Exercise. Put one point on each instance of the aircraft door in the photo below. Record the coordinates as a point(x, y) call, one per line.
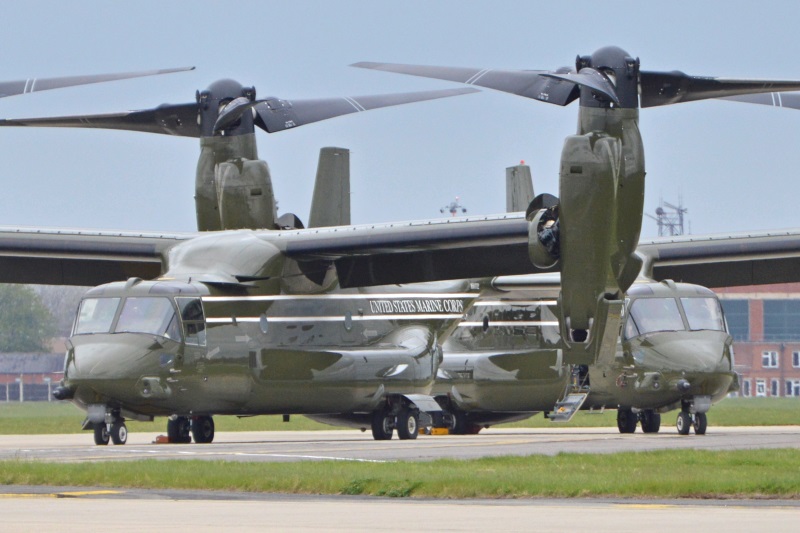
point(191, 360)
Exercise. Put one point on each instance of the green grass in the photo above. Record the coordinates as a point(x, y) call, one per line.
point(62, 417)
point(661, 474)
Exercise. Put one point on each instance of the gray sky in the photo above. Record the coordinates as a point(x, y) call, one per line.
point(735, 165)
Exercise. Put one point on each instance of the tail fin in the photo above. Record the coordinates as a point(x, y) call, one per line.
point(331, 203)
point(519, 188)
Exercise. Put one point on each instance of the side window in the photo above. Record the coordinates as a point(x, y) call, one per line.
point(194, 321)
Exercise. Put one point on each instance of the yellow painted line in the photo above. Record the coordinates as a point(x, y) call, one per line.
point(646, 505)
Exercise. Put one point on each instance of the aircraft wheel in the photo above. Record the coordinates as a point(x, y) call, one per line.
point(203, 429)
point(651, 421)
point(700, 424)
point(460, 423)
point(626, 421)
point(119, 432)
point(382, 426)
point(683, 423)
point(407, 424)
point(101, 436)
point(178, 430)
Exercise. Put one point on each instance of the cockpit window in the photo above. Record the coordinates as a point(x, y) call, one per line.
point(655, 314)
point(149, 315)
point(96, 315)
point(703, 313)
point(194, 324)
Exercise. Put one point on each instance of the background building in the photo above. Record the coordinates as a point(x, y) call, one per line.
point(765, 324)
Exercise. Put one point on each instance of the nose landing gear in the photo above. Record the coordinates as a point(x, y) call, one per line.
point(686, 421)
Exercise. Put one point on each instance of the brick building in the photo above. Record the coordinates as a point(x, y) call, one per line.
point(765, 324)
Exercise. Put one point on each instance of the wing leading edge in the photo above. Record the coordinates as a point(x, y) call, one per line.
point(725, 260)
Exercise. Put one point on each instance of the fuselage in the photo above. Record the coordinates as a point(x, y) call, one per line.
point(153, 348)
point(506, 357)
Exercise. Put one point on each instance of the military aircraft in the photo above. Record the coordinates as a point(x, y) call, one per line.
point(453, 208)
point(288, 323)
point(590, 234)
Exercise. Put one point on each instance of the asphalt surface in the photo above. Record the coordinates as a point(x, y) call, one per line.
point(350, 445)
point(80, 509)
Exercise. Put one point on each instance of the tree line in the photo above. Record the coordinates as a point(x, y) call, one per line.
point(32, 315)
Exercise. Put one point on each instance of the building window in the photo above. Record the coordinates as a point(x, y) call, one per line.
point(761, 388)
point(793, 387)
point(781, 319)
point(775, 388)
point(737, 315)
point(796, 359)
point(746, 388)
point(769, 359)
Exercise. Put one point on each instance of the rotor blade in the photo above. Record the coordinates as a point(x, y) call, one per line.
point(663, 88)
point(789, 100)
point(168, 119)
point(11, 88)
point(589, 77)
point(528, 83)
point(275, 115)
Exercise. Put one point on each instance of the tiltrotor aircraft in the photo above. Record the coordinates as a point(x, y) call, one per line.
point(285, 320)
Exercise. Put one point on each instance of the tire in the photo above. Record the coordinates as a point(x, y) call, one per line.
point(684, 423)
point(119, 433)
point(700, 424)
point(460, 423)
point(203, 429)
point(651, 421)
point(178, 430)
point(626, 421)
point(407, 424)
point(101, 436)
point(381, 426)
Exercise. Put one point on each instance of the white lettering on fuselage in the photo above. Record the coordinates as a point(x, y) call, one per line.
point(405, 307)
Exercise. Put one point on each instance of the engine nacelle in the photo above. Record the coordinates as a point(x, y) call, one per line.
point(544, 247)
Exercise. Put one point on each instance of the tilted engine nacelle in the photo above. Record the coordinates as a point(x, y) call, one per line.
point(543, 231)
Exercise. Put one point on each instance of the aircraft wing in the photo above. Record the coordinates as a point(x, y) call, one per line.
point(365, 255)
point(410, 252)
point(725, 260)
point(80, 257)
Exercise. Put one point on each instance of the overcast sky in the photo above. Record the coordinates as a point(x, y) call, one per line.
point(736, 166)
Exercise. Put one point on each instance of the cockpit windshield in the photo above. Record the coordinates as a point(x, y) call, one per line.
point(96, 315)
point(648, 315)
point(149, 315)
point(703, 313)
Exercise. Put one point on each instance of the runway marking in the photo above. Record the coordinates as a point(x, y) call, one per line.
point(646, 505)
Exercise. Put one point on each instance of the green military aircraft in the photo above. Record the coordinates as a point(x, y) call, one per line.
point(284, 320)
point(590, 235)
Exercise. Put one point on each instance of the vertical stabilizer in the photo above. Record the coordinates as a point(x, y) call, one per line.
point(519, 188)
point(331, 203)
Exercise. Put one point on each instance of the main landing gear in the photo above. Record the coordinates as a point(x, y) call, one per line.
point(181, 429)
point(405, 421)
point(627, 420)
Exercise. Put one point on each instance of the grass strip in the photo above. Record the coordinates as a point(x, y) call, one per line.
point(657, 474)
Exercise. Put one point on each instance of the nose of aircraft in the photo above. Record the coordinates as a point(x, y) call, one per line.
point(690, 351)
point(108, 366)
